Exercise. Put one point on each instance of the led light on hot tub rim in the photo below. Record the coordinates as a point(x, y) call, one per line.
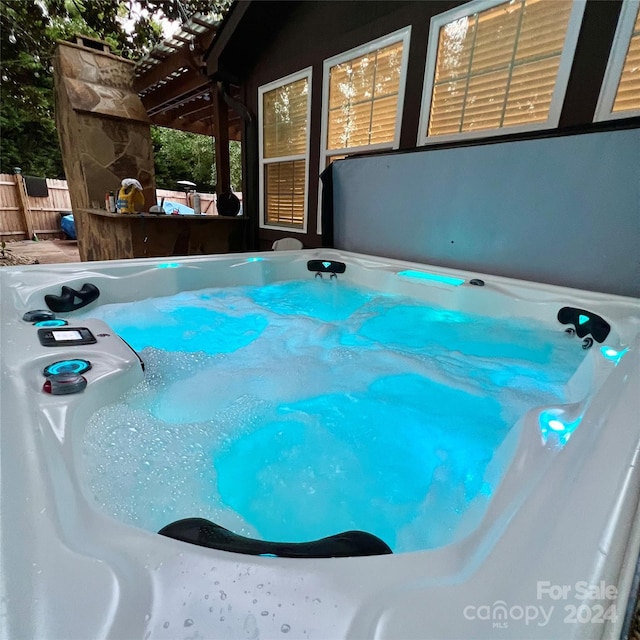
point(556, 425)
point(614, 355)
point(431, 277)
point(247, 261)
point(75, 366)
point(553, 422)
point(55, 322)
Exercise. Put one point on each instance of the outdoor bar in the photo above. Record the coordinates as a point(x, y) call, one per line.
point(114, 236)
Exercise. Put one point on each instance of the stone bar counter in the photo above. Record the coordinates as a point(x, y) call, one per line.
point(113, 236)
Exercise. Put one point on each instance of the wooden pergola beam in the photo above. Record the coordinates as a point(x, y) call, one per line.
point(203, 127)
point(196, 116)
point(202, 23)
point(175, 89)
point(182, 88)
point(183, 39)
point(193, 111)
point(164, 70)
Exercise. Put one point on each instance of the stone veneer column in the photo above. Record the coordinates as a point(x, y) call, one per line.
point(102, 125)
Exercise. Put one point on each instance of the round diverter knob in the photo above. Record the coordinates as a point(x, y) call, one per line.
point(37, 315)
point(75, 366)
point(64, 383)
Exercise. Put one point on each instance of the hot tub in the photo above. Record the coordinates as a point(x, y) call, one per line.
point(553, 556)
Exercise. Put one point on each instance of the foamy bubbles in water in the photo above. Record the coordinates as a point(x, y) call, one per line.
point(298, 410)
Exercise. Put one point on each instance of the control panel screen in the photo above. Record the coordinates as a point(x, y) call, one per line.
point(66, 335)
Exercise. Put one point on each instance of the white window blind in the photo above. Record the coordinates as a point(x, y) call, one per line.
point(498, 67)
point(284, 112)
point(628, 94)
point(362, 98)
point(285, 192)
point(363, 95)
point(620, 93)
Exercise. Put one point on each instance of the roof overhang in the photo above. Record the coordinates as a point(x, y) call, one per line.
point(243, 36)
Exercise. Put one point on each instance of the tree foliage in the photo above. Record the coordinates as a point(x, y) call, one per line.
point(180, 155)
point(29, 30)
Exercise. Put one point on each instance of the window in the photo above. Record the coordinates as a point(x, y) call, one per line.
point(620, 93)
point(284, 111)
point(362, 98)
point(499, 65)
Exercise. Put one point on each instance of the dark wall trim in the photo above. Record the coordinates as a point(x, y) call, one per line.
point(590, 61)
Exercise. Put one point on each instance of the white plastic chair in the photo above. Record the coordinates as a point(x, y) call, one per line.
point(287, 244)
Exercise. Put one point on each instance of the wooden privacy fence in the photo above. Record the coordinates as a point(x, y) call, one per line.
point(22, 216)
point(207, 200)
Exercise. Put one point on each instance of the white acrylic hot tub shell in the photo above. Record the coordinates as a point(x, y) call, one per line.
point(563, 516)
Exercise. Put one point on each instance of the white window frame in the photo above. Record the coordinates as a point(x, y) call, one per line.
point(621, 41)
point(557, 98)
point(293, 77)
point(401, 35)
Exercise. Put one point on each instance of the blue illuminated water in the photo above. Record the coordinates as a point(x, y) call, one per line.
point(297, 410)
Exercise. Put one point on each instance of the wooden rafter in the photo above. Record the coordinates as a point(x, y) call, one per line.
point(182, 59)
point(175, 93)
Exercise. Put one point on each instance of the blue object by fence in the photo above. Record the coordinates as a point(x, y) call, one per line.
point(169, 207)
point(68, 225)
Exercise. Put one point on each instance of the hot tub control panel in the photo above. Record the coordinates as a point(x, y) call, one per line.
point(65, 336)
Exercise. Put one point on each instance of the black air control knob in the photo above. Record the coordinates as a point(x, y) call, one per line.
point(38, 315)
